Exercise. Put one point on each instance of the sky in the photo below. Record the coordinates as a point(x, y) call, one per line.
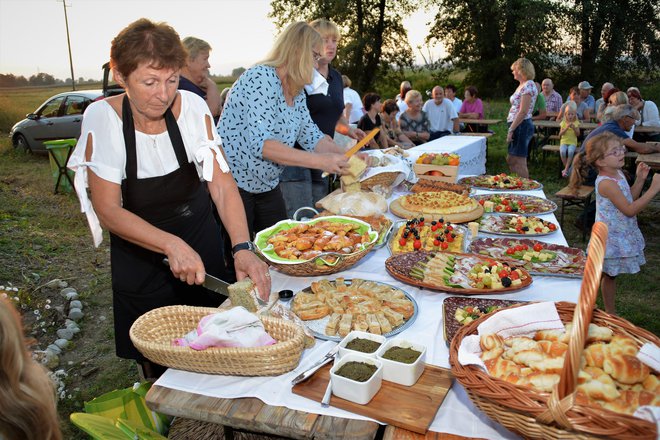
point(33, 32)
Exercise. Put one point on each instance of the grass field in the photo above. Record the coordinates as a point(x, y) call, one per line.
point(44, 237)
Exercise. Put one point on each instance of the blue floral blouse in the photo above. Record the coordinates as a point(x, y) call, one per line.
point(256, 111)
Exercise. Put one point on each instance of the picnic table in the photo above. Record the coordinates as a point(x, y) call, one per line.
point(652, 160)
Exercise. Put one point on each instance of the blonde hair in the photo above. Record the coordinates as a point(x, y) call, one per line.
point(570, 105)
point(412, 95)
point(326, 28)
point(619, 98)
point(346, 81)
point(27, 397)
point(194, 46)
point(292, 51)
point(526, 68)
point(595, 149)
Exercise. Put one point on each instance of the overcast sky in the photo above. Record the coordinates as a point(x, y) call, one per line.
point(33, 32)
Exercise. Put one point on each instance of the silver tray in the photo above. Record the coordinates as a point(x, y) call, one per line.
point(467, 235)
point(317, 326)
point(514, 195)
point(513, 234)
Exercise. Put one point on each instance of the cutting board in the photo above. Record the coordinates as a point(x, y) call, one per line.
point(412, 408)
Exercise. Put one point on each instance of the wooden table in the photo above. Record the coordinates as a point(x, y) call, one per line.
point(251, 414)
point(652, 160)
point(472, 125)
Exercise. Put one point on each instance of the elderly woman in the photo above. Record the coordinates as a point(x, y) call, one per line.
point(144, 155)
point(519, 119)
point(393, 134)
point(614, 98)
point(649, 114)
point(265, 115)
point(194, 75)
point(414, 122)
point(325, 100)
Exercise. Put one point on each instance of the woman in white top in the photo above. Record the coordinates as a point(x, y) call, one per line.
point(649, 112)
point(353, 108)
point(143, 155)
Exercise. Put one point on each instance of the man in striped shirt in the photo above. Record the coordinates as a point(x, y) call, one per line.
point(553, 100)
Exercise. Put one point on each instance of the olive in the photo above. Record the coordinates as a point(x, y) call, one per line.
point(433, 223)
point(442, 220)
point(406, 234)
point(525, 228)
point(421, 219)
point(506, 281)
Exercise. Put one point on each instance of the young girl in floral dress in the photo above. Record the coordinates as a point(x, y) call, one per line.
point(617, 205)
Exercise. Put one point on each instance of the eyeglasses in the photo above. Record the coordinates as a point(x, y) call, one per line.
point(317, 56)
point(618, 151)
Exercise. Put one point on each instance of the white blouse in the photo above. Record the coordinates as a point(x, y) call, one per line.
point(155, 153)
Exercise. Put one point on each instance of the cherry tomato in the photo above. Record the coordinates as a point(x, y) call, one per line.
point(498, 208)
point(525, 247)
point(538, 247)
point(514, 275)
point(505, 201)
point(519, 248)
point(402, 242)
point(417, 244)
point(436, 242)
point(503, 273)
point(449, 238)
point(510, 251)
point(552, 226)
point(444, 245)
point(450, 227)
point(434, 228)
point(538, 229)
point(496, 178)
point(421, 223)
point(508, 208)
point(482, 201)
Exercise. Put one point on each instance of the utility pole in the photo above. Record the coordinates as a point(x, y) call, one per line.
point(68, 42)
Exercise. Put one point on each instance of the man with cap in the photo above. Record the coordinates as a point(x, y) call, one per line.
point(585, 92)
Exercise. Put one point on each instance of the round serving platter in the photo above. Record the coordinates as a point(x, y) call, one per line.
point(463, 217)
point(317, 326)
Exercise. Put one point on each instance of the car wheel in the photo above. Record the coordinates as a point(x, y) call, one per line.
point(20, 143)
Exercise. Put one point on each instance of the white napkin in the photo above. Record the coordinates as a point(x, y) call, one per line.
point(319, 85)
point(235, 327)
point(521, 321)
point(650, 355)
point(397, 164)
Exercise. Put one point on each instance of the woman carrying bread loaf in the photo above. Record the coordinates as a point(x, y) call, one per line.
point(263, 118)
point(153, 165)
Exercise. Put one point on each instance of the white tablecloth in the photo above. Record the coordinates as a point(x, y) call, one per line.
point(457, 415)
point(472, 150)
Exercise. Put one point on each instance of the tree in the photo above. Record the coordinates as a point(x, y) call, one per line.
point(487, 36)
point(41, 79)
point(374, 41)
point(237, 72)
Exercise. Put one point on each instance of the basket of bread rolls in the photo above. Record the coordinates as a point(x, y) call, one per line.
point(582, 381)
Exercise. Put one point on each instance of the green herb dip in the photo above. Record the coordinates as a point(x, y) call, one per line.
point(363, 345)
point(357, 371)
point(403, 355)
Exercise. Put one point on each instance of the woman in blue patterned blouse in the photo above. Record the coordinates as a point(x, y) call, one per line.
point(265, 115)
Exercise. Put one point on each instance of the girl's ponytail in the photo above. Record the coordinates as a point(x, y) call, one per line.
point(579, 172)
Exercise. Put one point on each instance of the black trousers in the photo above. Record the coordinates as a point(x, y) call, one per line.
point(263, 209)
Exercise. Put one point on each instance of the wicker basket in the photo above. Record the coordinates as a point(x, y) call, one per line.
point(382, 179)
point(536, 414)
point(153, 332)
point(324, 264)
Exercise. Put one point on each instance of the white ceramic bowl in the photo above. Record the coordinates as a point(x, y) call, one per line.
point(399, 372)
point(343, 351)
point(358, 392)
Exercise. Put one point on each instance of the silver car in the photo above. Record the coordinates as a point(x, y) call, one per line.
point(60, 117)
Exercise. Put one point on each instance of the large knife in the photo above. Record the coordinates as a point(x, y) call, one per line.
point(311, 370)
point(355, 148)
point(212, 283)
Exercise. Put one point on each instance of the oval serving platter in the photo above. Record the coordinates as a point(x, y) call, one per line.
point(533, 205)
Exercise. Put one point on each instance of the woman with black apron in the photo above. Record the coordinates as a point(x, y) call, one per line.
point(144, 154)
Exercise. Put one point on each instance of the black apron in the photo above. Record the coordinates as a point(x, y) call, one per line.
point(177, 203)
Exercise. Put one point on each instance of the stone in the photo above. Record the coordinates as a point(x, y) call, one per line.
point(53, 283)
point(72, 296)
point(65, 333)
point(62, 343)
point(66, 290)
point(75, 304)
point(76, 314)
point(63, 284)
point(60, 309)
point(54, 348)
point(102, 318)
point(69, 322)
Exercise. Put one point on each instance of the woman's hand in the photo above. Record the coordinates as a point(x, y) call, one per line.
point(247, 264)
point(185, 263)
point(509, 136)
point(356, 133)
point(333, 163)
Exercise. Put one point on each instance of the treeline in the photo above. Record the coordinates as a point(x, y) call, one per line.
point(567, 40)
point(39, 79)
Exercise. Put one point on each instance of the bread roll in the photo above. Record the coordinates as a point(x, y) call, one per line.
point(551, 335)
point(598, 333)
point(623, 345)
point(491, 341)
point(492, 354)
point(595, 354)
point(626, 369)
point(499, 367)
point(553, 348)
point(596, 389)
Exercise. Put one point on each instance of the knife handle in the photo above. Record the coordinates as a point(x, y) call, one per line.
point(307, 374)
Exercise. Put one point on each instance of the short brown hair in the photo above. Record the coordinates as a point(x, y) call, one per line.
point(145, 41)
point(390, 106)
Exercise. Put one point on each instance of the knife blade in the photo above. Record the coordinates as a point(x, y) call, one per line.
point(210, 282)
point(311, 370)
point(355, 148)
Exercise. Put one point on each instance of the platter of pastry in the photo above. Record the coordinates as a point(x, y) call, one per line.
point(333, 308)
point(465, 274)
point(436, 205)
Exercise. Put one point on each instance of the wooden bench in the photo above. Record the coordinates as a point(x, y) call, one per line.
point(580, 199)
point(486, 135)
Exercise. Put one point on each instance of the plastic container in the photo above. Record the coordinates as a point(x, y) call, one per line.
point(58, 153)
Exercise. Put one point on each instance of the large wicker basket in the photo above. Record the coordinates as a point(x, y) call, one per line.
point(536, 414)
point(324, 264)
point(153, 332)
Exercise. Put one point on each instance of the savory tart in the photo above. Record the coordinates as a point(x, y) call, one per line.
point(441, 202)
point(426, 185)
